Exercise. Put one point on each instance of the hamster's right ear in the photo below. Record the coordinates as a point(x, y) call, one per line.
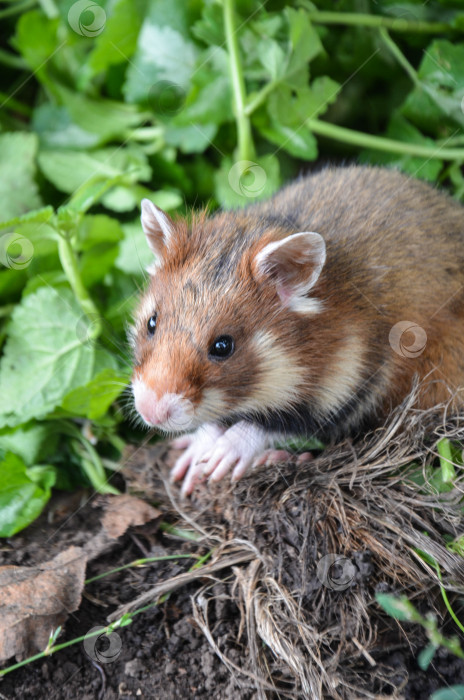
point(158, 228)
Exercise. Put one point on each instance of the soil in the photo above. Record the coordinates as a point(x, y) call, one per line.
point(163, 654)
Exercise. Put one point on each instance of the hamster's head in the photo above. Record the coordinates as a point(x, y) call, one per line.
point(215, 331)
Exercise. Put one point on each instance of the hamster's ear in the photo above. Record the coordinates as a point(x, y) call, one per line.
point(157, 226)
point(294, 264)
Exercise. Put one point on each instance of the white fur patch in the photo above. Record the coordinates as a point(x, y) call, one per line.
point(146, 310)
point(305, 305)
point(344, 373)
point(279, 377)
point(213, 404)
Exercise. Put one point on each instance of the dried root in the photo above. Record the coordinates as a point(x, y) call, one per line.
point(307, 547)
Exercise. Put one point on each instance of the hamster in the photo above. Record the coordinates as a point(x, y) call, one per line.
point(307, 314)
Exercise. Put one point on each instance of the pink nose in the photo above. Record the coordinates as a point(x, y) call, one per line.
point(152, 411)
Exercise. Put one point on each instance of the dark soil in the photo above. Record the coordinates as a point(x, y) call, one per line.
point(163, 653)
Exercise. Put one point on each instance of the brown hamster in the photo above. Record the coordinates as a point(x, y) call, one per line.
point(308, 314)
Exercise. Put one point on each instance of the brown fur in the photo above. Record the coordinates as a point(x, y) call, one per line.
point(395, 252)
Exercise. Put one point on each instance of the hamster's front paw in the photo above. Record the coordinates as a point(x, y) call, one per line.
point(190, 463)
point(237, 448)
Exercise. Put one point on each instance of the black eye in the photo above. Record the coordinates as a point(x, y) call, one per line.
point(151, 325)
point(222, 347)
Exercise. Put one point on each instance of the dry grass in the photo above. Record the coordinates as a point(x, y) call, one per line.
point(305, 637)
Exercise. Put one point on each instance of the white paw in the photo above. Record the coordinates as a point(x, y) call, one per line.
point(236, 449)
point(273, 456)
point(190, 464)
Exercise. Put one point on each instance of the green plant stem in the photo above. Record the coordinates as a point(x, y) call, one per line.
point(145, 133)
point(17, 8)
point(189, 535)
point(12, 61)
point(69, 263)
point(139, 562)
point(400, 57)
point(448, 473)
point(246, 148)
point(446, 601)
point(357, 138)
point(396, 24)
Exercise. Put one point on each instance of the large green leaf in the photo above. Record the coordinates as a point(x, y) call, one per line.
point(94, 399)
point(68, 170)
point(18, 191)
point(165, 52)
point(22, 494)
point(46, 356)
point(118, 41)
point(32, 442)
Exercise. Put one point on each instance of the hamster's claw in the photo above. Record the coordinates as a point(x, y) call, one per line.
point(237, 449)
point(189, 464)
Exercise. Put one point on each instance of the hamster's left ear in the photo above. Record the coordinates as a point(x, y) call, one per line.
point(294, 265)
point(158, 228)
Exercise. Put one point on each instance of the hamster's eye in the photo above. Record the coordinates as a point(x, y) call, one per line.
point(151, 325)
point(222, 348)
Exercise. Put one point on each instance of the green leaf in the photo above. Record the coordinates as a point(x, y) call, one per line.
point(240, 183)
point(134, 254)
point(299, 142)
point(401, 130)
point(36, 39)
point(46, 356)
point(37, 216)
point(118, 41)
point(18, 191)
point(164, 52)
point(22, 498)
point(32, 442)
point(399, 608)
point(292, 103)
point(426, 655)
point(68, 170)
point(94, 399)
point(454, 692)
point(305, 42)
point(441, 92)
point(97, 229)
point(56, 128)
point(209, 100)
point(210, 28)
point(108, 119)
point(194, 138)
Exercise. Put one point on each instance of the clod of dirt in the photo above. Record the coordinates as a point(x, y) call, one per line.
point(34, 601)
